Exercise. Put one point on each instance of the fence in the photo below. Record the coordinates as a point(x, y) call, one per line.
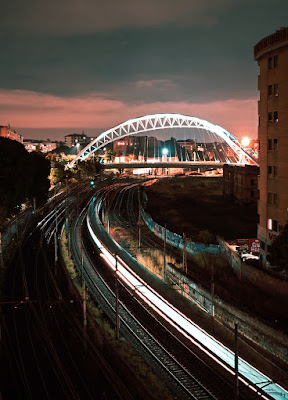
point(249, 327)
point(176, 240)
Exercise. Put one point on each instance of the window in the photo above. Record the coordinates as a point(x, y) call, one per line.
point(275, 144)
point(276, 90)
point(252, 194)
point(275, 171)
point(276, 61)
point(262, 245)
point(274, 225)
point(270, 90)
point(258, 120)
point(269, 224)
point(269, 171)
point(275, 116)
point(270, 120)
point(270, 63)
point(275, 199)
point(269, 146)
point(252, 182)
point(269, 197)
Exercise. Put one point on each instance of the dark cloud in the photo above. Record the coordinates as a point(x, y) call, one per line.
point(66, 17)
point(135, 50)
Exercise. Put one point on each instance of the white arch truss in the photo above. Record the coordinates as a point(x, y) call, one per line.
point(161, 121)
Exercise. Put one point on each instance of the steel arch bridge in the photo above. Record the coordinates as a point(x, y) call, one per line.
point(161, 121)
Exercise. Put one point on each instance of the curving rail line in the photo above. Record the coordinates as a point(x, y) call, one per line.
point(250, 376)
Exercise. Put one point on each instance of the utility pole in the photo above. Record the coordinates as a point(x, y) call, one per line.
point(55, 242)
point(164, 255)
point(1, 256)
point(212, 290)
point(108, 221)
point(16, 222)
point(84, 315)
point(236, 363)
point(116, 301)
point(139, 220)
point(184, 254)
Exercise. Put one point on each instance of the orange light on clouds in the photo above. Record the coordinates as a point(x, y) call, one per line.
point(26, 109)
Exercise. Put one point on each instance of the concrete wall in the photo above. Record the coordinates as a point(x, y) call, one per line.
point(253, 275)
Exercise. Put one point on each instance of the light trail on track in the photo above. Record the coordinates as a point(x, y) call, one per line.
point(250, 376)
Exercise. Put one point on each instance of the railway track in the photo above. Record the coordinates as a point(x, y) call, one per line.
point(188, 373)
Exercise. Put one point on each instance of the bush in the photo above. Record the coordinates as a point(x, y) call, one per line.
point(207, 237)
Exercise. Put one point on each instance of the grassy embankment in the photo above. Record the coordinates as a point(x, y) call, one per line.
point(193, 205)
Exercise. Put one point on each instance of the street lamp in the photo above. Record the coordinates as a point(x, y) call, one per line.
point(245, 141)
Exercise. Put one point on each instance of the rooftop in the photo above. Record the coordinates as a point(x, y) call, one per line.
point(277, 39)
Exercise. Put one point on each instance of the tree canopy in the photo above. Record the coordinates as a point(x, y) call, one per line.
point(278, 253)
point(23, 176)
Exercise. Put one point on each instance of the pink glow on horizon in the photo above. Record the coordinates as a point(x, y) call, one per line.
point(27, 109)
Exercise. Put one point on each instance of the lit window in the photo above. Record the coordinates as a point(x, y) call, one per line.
point(270, 90)
point(276, 89)
point(269, 224)
point(276, 116)
point(270, 120)
point(269, 146)
point(275, 144)
point(270, 63)
point(275, 61)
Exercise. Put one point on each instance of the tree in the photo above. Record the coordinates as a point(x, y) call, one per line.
point(23, 176)
point(109, 155)
point(89, 168)
point(14, 172)
point(207, 237)
point(39, 182)
point(58, 174)
point(278, 254)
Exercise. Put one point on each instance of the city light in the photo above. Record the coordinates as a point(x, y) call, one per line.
point(245, 141)
point(165, 152)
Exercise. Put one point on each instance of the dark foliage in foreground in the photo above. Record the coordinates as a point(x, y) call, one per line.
point(23, 177)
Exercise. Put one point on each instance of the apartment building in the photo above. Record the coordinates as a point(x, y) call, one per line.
point(271, 53)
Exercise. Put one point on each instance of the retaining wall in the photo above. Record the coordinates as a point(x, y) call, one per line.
point(176, 240)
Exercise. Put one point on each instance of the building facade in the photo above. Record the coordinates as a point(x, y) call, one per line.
point(37, 145)
point(240, 183)
point(77, 138)
point(271, 53)
point(6, 132)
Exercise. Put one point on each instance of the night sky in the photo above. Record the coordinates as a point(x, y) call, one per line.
point(68, 65)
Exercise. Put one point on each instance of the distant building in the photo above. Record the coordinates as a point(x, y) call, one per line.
point(6, 132)
point(271, 53)
point(77, 138)
point(240, 183)
point(37, 145)
point(123, 146)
